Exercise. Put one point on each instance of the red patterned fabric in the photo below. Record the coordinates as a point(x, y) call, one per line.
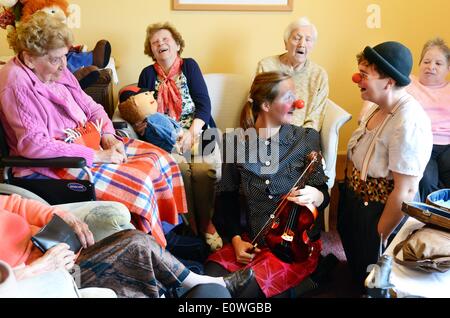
point(273, 275)
point(88, 135)
point(149, 184)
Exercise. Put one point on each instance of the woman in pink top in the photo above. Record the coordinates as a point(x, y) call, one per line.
point(45, 114)
point(432, 90)
point(129, 262)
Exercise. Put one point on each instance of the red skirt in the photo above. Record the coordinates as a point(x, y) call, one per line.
point(272, 275)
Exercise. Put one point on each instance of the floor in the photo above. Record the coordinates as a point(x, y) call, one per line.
point(341, 284)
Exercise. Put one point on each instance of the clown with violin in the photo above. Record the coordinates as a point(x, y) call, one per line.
point(272, 190)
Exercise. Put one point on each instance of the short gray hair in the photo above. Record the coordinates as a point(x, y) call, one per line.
point(301, 22)
point(440, 44)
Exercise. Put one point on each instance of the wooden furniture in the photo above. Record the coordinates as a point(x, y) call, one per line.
point(102, 91)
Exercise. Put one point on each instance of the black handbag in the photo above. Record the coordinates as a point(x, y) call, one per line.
point(55, 232)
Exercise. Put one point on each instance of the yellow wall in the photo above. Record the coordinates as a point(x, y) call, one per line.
point(234, 41)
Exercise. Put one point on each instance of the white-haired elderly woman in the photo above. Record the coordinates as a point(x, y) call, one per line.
point(311, 80)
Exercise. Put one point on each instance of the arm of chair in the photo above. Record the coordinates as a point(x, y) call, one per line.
point(125, 129)
point(60, 162)
point(57, 284)
point(120, 124)
point(24, 193)
point(335, 117)
point(103, 218)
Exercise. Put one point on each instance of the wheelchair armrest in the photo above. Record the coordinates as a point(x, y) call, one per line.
point(120, 124)
point(60, 162)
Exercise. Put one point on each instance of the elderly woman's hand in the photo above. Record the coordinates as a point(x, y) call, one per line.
point(58, 257)
point(110, 142)
point(307, 195)
point(186, 141)
point(81, 229)
point(109, 156)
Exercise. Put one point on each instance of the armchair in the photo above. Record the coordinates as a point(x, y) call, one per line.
point(335, 117)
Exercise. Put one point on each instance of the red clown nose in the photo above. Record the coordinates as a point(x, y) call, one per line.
point(299, 104)
point(356, 78)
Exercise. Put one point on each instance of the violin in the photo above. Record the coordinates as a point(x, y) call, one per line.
point(285, 232)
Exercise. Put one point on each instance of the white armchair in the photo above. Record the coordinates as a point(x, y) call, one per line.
point(228, 93)
point(335, 117)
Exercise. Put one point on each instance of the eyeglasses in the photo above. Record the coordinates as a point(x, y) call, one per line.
point(54, 60)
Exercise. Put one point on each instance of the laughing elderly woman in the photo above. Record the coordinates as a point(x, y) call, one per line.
point(43, 108)
point(311, 80)
point(183, 96)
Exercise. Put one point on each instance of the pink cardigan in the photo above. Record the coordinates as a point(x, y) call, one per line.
point(436, 103)
point(34, 117)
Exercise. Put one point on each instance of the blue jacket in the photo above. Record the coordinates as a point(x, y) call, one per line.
point(196, 84)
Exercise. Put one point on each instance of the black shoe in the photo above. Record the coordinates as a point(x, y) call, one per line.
point(322, 273)
point(236, 281)
point(319, 278)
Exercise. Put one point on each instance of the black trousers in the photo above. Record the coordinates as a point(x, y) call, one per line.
point(357, 227)
point(437, 171)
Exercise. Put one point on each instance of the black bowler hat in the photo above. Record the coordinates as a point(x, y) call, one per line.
point(393, 58)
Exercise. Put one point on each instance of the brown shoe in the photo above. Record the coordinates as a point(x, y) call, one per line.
point(101, 53)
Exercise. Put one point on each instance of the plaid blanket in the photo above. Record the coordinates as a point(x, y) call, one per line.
point(149, 184)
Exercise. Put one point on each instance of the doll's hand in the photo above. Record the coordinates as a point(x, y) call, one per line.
point(139, 128)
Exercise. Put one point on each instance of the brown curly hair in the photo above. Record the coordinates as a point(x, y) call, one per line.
point(153, 28)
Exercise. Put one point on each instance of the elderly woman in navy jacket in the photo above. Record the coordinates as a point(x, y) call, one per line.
point(182, 95)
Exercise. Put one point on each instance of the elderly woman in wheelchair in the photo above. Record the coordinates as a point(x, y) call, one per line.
point(45, 114)
point(129, 262)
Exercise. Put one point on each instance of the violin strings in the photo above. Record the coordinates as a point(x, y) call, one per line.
point(281, 202)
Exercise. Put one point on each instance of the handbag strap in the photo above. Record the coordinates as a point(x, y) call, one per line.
point(430, 263)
